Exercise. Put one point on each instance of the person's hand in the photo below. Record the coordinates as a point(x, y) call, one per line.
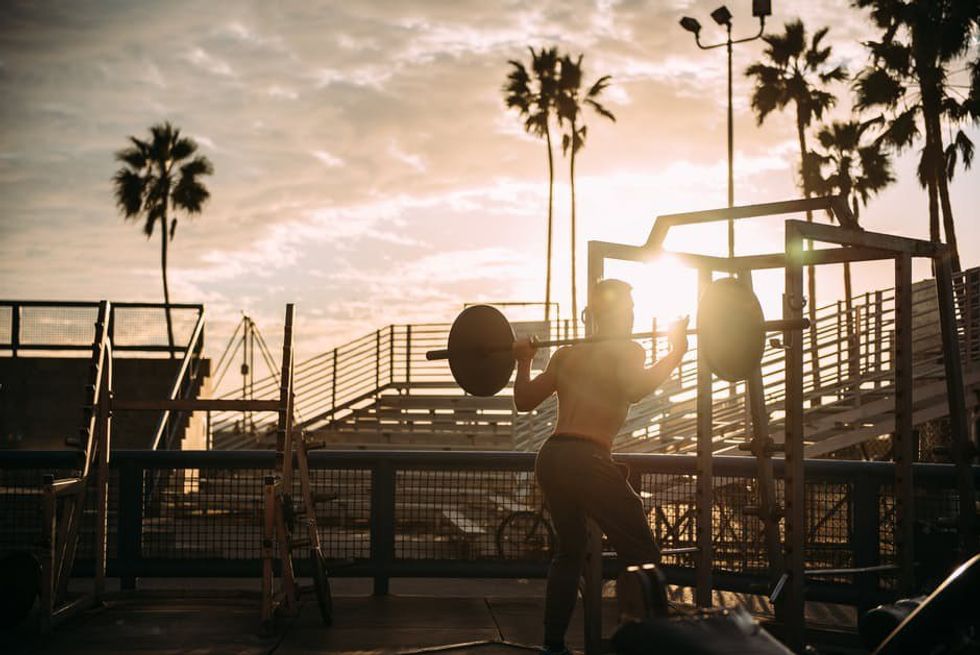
point(677, 335)
point(524, 349)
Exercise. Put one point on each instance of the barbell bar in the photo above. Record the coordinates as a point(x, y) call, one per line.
point(731, 331)
point(778, 325)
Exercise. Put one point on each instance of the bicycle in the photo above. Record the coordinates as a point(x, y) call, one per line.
point(526, 535)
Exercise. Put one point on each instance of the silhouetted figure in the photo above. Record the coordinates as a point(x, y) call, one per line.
point(596, 383)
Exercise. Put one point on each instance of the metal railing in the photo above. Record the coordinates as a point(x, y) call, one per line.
point(55, 326)
point(386, 514)
point(848, 355)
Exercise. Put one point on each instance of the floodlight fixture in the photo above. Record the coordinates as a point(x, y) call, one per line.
point(691, 25)
point(761, 8)
point(722, 16)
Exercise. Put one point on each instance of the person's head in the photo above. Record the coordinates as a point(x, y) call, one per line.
point(611, 309)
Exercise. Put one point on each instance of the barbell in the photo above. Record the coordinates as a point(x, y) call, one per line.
point(731, 335)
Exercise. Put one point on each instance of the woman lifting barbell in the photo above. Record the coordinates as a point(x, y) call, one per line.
point(596, 382)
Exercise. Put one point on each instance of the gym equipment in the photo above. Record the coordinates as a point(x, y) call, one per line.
point(946, 621)
point(731, 329)
point(879, 622)
point(650, 624)
point(280, 515)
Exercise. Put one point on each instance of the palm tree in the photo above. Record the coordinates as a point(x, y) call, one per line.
point(160, 177)
point(921, 45)
point(797, 72)
point(570, 103)
point(535, 102)
point(856, 170)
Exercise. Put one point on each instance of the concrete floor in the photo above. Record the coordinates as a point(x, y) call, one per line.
point(166, 621)
point(201, 617)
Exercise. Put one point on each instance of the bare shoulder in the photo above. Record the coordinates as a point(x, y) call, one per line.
point(634, 352)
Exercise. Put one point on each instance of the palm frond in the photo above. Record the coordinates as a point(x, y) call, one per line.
point(878, 87)
point(129, 189)
point(599, 109)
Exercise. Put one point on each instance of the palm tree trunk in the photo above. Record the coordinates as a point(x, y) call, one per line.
point(811, 271)
point(166, 290)
point(551, 204)
point(575, 318)
point(942, 185)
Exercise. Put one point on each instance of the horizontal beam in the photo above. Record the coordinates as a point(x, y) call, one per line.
point(196, 405)
point(814, 257)
point(848, 237)
point(666, 221)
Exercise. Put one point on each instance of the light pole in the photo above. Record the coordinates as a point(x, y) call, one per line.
point(721, 15)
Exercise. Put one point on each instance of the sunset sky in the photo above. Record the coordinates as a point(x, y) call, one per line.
point(366, 167)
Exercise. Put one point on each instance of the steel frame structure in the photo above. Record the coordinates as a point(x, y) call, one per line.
point(786, 556)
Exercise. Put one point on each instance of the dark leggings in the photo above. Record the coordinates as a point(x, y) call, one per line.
point(579, 479)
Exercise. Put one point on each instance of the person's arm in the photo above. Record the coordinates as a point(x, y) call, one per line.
point(529, 393)
point(639, 381)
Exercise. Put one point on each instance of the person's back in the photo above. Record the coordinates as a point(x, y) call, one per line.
point(596, 382)
point(591, 400)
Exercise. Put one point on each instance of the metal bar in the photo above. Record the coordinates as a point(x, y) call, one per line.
point(103, 448)
point(865, 526)
point(704, 560)
point(195, 405)
point(778, 325)
point(957, 402)
point(795, 516)
point(391, 354)
point(845, 236)
point(761, 445)
point(382, 524)
point(408, 354)
point(14, 329)
point(666, 221)
point(903, 444)
point(130, 519)
point(377, 359)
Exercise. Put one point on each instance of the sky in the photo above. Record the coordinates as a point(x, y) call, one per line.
point(366, 167)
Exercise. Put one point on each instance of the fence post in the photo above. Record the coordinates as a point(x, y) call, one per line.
point(377, 359)
point(408, 355)
point(382, 524)
point(130, 524)
point(333, 385)
point(865, 524)
point(14, 329)
point(391, 354)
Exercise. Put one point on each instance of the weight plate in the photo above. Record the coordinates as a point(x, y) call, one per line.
point(731, 329)
point(480, 355)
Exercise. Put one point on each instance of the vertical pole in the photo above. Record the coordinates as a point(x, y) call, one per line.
point(957, 404)
point(48, 549)
point(391, 354)
point(762, 447)
point(382, 523)
point(377, 360)
point(333, 385)
point(731, 151)
point(592, 573)
point(14, 329)
point(130, 522)
point(795, 528)
point(104, 432)
point(866, 522)
point(879, 337)
point(902, 440)
point(268, 550)
point(704, 564)
point(408, 355)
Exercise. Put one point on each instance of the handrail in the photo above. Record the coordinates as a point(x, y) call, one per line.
point(191, 354)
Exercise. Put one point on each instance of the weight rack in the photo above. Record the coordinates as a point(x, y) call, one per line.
point(786, 557)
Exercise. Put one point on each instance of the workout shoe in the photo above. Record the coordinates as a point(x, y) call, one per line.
point(551, 651)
